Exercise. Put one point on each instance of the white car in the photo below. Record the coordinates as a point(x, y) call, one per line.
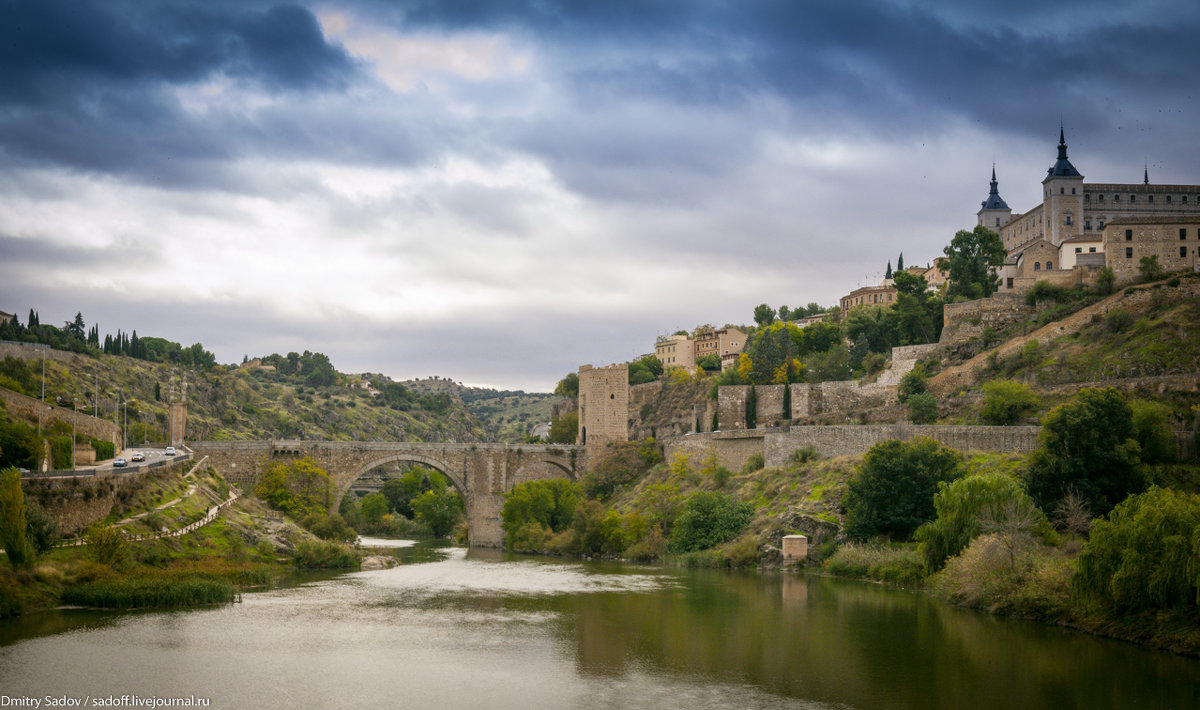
point(119, 462)
point(170, 451)
point(137, 456)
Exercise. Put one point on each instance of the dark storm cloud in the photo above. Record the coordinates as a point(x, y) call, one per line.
point(89, 84)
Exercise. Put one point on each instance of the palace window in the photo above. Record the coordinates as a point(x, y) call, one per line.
point(1091, 250)
point(1100, 197)
point(1182, 233)
point(1168, 199)
point(1049, 266)
point(1133, 198)
point(1078, 250)
point(1116, 198)
point(1087, 197)
point(1128, 252)
point(1037, 266)
point(1087, 224)
point(1129, 235)
point(1072, 191)
point(1150, 198)
point(1068, 219)
point(1182, 252)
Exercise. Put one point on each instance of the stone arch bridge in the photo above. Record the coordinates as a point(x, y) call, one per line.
point(482, 473)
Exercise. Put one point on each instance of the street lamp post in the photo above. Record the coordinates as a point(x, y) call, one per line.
point(74, 415)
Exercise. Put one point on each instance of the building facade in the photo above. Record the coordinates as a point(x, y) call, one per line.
point(682, 351)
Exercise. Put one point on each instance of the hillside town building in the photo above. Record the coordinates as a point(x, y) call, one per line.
point(681, 350)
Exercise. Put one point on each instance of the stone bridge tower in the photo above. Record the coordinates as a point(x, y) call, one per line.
point(603, 405)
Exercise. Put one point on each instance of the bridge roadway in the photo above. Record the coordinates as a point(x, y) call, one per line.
point(482, 473)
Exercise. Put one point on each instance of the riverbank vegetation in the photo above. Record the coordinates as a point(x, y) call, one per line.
point(1099, 528)
point(119, 565)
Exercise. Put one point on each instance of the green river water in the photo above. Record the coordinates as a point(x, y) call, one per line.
point(455, 629)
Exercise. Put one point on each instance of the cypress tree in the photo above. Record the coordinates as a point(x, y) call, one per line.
point(888, 273)
point(900, 262)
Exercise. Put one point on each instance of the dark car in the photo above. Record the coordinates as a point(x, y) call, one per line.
point(119, 463)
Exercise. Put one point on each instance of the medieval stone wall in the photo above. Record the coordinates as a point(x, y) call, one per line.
point(27, 408)
point(733, 448)
point(963, 321)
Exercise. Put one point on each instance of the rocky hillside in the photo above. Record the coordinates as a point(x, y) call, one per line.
point(504, 415)
point(230, 403)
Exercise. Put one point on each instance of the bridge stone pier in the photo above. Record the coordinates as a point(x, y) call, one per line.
point(482, 473)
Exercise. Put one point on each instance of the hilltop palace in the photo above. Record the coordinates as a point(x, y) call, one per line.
point(1081, 227)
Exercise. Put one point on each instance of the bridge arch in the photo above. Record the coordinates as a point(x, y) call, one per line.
point(347, 478)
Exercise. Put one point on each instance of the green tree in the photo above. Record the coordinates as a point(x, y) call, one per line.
point(645, 369)
point(1105, 280)
point(818, 337)
point(1151, 430)
point(374, 507)
point(565, 429)
point(1150, 268)
point(1145, 556)
point(764, 314)
point(440, 510)
point(568, 386)
point(298, 487)
point(962, 506)
point(893, 492)
point(973, 258)
point(833, 365)
point(400, 492)
point(917, 313)
point(922, 408)
point(708, 518)
point(1007, 402)
point(549, 504)
point(12, 519)
point(1087, 445)
point(709, 363)
point(874, 324)
point(913, 382)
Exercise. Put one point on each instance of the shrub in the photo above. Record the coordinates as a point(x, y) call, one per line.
point(1161, 528)
point(913, 382)
point(885, 563)
point(1118, 320)
point(104, 449)
point(620, 464)
point(329, 526)
point(874, 363)
point(1151, 431)
point(549, 503)
point(156, 591)
point(754, 463)
point(1150, 268)
point(440, 510)
point(893, 492)
point(1105, 279)
point(13, 527)
point(806, 454)
point(1007, 402)
point(922, 408)
point(321, 554)
point(107, 545)
point(962, 507)
point(982, 577)
point(1087, 446)
point(708, 518)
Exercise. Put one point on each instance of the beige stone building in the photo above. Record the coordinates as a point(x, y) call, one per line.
point(883, 294)
point(683, 351)
point(1175, 241)
point(603, 404)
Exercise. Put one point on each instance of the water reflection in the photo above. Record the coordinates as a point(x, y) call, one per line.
point(451, 628)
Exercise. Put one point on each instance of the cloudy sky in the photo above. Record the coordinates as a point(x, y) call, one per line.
point(497, 192)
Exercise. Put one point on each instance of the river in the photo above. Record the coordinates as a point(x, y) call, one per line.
point(454, 629)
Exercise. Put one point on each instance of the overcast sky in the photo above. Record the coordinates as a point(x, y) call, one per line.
point(498, 192)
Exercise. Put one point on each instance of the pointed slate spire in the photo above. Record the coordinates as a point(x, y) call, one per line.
point(1063, 167)
point(1146, 175)
point(994, 201)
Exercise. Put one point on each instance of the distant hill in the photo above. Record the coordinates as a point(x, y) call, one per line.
point(506, 415)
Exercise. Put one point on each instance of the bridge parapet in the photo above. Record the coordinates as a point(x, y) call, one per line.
point(482, 473)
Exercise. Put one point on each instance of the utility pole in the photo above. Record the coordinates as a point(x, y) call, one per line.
point(43, 382)
point(74, 414)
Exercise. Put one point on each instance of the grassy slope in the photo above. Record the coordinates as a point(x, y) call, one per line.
point(504, 415)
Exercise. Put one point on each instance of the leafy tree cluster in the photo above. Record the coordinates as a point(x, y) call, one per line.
point(893, 492)
point(534, 508)
point(645, 369)
point(26, 531)
point(963, 507)
point(297, 488)
point(313, 369)
point(708, 519)
point(565, 428)
point(76, 337)
point(1087, 446)
point(401, 398)
point(972, 259)
point(765, 315)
